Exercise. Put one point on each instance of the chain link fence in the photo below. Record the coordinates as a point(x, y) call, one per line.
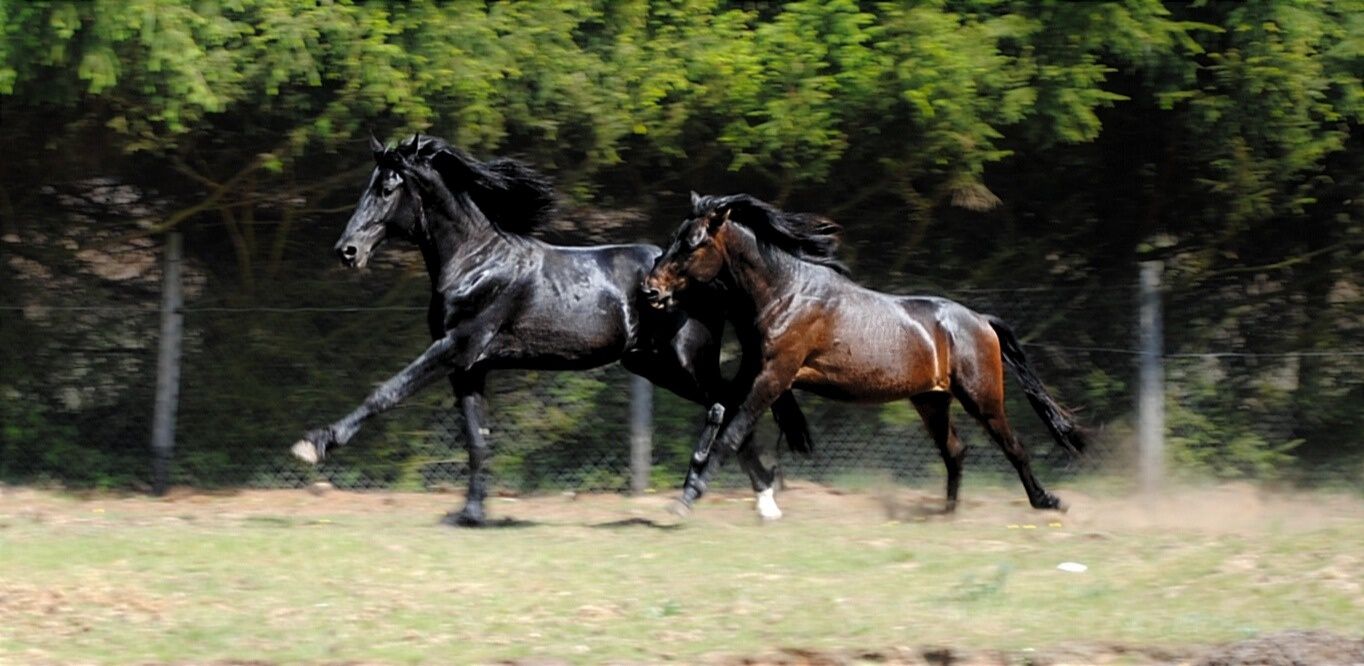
point(1264, 371)
point(255, 377)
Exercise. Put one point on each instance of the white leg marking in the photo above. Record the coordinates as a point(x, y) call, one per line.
point(767, 505)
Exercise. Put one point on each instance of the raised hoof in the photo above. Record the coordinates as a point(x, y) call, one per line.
point(679, 508)
point(465, 517)
point(306, 451)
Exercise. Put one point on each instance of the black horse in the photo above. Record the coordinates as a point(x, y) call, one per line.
point(817, 330)
point(501, 299)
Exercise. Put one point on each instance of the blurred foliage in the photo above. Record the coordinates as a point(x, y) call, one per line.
point(964, 144)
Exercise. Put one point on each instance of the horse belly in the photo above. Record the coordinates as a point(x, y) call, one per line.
point(876, 361)
point(569, 332)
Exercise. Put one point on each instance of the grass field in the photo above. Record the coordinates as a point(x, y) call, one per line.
point(292, 577)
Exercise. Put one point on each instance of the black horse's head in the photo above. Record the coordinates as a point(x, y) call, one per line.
point(389, 206)
point(502, 194)
point(695, 256)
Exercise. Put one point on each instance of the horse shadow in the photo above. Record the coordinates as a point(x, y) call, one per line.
point(636, 522)
point(518, 524)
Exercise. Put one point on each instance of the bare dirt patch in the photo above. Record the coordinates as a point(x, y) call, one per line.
point(1224, 509)
point(1291, 648)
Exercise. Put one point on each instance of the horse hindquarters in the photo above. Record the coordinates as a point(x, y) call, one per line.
point(978, 382)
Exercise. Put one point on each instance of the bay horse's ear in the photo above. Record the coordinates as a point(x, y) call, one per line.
point(718, 220)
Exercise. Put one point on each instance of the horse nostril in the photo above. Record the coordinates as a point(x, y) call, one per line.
point(651, 293)
point(350, 251)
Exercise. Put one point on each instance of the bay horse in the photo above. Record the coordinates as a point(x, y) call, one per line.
point(818, 330)
point(502, 299)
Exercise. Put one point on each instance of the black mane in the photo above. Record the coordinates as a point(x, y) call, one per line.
point(810, 237)
point(512, 195)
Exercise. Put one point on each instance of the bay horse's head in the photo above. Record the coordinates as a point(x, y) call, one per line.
point(389, 206)
point(695, 256)
point(720, 226)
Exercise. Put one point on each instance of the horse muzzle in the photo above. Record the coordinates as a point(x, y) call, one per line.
point(659, 299)
point(355, 253)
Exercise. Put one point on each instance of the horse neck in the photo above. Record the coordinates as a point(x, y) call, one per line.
point(458, 235)
point(758, 272)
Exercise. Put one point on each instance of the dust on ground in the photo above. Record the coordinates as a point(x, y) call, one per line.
point(1222, 509)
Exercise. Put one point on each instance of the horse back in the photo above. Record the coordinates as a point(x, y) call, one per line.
point(581, 307)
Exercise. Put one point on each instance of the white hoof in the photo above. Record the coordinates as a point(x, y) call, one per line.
point(767, 506)
point(305, 451)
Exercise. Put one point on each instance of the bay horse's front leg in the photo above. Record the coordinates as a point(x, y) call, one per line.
point(469, 395)
point(444, 356)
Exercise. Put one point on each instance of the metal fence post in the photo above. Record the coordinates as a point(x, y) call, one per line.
point(1151, 389)
point(167, 365)
point(641, 432)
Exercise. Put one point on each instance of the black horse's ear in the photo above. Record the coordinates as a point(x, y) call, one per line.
point(376, 147)
point(695, 200)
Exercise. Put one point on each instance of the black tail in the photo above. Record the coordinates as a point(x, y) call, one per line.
point(791, 421)
point(1059, 421)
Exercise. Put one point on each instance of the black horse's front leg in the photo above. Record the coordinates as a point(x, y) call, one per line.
point(445, 355)
point(469, 394)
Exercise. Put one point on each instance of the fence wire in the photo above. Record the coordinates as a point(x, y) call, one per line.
point(79, 374)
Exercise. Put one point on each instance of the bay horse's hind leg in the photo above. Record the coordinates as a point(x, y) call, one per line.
point(469, 395)
point(984, 400)
point(936, 411)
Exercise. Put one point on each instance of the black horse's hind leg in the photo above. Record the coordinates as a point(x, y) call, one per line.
point(706, 459)
point(699, 474)
point(688, 374)
point(469, 395)
point(936, 411)
point(767, 387)
point(697, 478)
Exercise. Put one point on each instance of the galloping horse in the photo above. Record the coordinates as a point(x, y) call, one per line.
point(502, 299)
point(821, 332)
